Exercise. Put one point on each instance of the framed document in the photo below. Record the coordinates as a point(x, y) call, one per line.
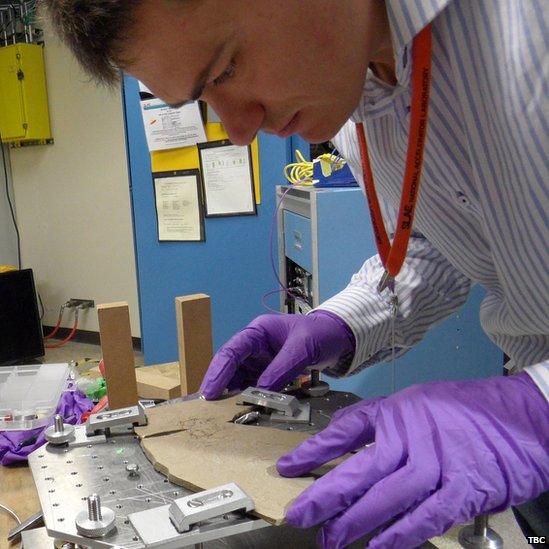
point(179, 209)
point(228, 180)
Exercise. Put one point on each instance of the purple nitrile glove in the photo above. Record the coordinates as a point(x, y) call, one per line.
point(15, 446)
point(444, 453)
point(274, 349)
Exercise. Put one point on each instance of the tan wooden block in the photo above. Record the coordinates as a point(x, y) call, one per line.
point(117, 350)
point(160, 381)
point(194, 334)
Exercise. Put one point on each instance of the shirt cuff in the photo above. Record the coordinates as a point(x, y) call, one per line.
point(540, 374)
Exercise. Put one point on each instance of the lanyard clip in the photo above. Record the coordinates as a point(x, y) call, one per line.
point(387, 281)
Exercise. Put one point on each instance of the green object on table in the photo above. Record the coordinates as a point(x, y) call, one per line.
point(98, 390)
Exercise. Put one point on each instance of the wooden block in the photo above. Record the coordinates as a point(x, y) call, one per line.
point(117, 350)
point(194, 335)
point(160, 381)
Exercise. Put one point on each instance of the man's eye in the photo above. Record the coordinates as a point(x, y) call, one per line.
point(225, 75)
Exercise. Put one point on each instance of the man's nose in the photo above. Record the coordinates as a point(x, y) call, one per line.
point(241, 119)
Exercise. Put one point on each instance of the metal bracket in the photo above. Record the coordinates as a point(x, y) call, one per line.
point(197, 508)
point(282, 408)
point(288, 405)
point(81, 438)
point(303, 415)
point(133, 415)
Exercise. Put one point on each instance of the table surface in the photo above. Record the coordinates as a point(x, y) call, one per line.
point(17, 491)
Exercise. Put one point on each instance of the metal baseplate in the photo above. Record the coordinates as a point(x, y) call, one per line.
point(113, 466)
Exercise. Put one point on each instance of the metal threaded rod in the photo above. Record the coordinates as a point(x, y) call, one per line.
point(94, 508)
point(59, 427)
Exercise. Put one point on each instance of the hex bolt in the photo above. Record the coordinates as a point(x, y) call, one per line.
point(59, 432)
point(133, 469)
point(97, 521)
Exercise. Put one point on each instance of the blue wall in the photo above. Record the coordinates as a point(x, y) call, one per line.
point(232, 266)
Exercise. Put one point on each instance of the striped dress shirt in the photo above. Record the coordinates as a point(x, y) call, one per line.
point(481, 216)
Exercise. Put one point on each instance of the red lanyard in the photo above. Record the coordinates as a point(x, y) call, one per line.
point(393, 254)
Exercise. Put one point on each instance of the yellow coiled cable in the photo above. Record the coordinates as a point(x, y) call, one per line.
point(301, 171)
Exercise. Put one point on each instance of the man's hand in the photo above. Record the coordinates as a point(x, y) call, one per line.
point(274, 349)
point(443, 453)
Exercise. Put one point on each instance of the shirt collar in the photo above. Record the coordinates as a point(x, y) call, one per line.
point(406, 19)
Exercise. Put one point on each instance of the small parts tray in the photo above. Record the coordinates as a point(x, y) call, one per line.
point(29, 395)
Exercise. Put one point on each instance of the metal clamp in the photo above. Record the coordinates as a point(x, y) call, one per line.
point(286, 404)
point(281, 407)
point(197, 508)
point(133, 415)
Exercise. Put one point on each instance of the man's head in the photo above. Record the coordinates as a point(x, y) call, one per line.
point(284, 66)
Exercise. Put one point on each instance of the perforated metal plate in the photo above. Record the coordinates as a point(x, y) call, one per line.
point(64, 477)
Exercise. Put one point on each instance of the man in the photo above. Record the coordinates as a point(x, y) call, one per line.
point(443, 452)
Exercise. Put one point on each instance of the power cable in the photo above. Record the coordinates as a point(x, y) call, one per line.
point(42, 310)
point(69, 337)
point(10, 203)
point(10, 512)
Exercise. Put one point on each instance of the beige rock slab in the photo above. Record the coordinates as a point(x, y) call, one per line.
point(210, 454)
point(176, 417)
point(196, 446)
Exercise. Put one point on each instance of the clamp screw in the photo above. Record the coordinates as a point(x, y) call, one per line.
point(133, 469)
point(59, 432)
point(97, 521)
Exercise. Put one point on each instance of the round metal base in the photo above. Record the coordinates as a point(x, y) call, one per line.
point(471, 540)
point(96, 528)
point(59, 437)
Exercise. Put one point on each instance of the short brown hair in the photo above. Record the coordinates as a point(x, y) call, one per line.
point(94, 30)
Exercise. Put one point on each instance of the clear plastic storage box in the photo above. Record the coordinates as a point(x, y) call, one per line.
point(29, 394)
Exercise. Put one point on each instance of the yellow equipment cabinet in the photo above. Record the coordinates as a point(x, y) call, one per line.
point(24, 116)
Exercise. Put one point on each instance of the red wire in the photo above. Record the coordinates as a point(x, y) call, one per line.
point(69, 337)
point(55, 330)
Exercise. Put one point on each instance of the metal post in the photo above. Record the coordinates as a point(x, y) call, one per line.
point(479, 535)
point(481, 525)
point(94, 508)
point(58, 422)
